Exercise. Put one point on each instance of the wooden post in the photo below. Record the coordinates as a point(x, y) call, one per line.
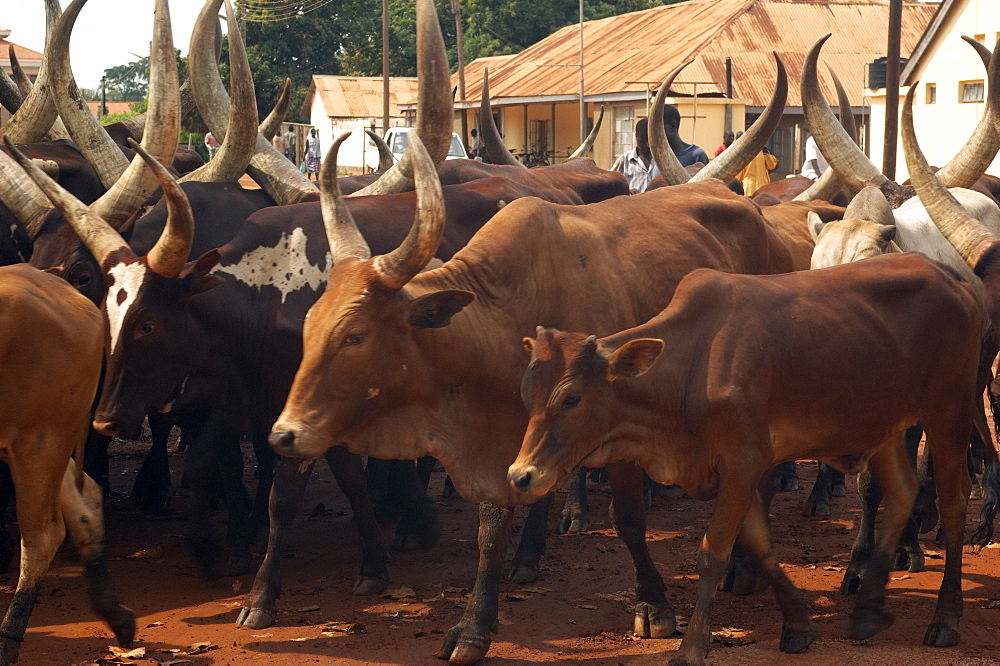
point(385, 66)
point(456, 9)
point(892, 90)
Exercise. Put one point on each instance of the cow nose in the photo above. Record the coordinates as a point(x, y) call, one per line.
point(281, 441)
point(522, 480)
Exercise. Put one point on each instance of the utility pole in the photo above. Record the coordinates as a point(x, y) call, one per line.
point(456, 9)
point(104, 98)
point(385, 66)
point(892, 90)
point(583, 106)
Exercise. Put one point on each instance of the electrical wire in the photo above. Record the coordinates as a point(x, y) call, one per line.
point(263, 11)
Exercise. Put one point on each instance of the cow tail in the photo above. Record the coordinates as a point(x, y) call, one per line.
point(991, 486)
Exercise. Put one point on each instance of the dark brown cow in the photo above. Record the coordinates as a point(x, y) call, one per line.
point(744, 384)
point(384, 373)
point(51, 345)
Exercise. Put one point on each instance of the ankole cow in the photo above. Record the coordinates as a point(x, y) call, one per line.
point(729, 380)
point(51, 346)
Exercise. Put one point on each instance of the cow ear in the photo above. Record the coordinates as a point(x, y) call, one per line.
point(887, 232)
point(436, 310)
point(815, 224)
point(529, 345)
point(634, 358)
point(196, 273)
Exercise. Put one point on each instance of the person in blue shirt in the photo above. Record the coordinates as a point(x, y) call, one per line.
point(687, 153)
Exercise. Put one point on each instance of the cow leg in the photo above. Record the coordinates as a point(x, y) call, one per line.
point(898, 482)
point(377, 481)
point(151, 490)
point(786, 479)
point(797, 632)
point(95, 459)
point(744, 575)
point(239, 533)
point(654, 616)
point(350, 475)
point(260, 607)
point(574, 512)
point(864, 543)
point(42, 530)
point(266, 459)
point(469, 640)
point(736, 493)
point(909, 554)
point(525, 565)
point(83, 515)
point(419, 527)
point(953, 489)
point(6, 540)
point(821, 496)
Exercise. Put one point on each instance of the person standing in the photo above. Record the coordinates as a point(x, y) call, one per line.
point(727, 140)
point(637, 164)
point(815, 163)
point(312, 154)
point(478, 146)
point(687, 153)
point(211, 144)
point(279, 144)
point(757, 174)
point(290, 145)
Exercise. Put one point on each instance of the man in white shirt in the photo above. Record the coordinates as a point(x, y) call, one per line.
point(815, 163)
point(637, 164)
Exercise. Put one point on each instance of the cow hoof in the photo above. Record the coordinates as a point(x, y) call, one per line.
point(851, 582)
point(901, 560)
point(654, 620)
point(465, 644)
point(916, 564)
point(686, 658)
point(368, 585)
point(794, 641)
point(785, 483)
point(122, 624)
point(839, 490)
point(941, 635)
point(569, 524)
point(523, 574)
point(927, 515)
point(255, 618)
point(867, 623)
point(817, 508)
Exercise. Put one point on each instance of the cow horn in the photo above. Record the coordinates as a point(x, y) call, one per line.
point(399, 266)
point(160, 137)
point(241, 137)
point(435, 106)
point(20, 194)
point(733, 160)
point(488, 130)
point(385, 158)
point(17, 73)
point(588, 143)
point(829, 183)
point(37, 113)
point(964, 232)
point(272, 124)
point(870, 204)
point(172, 248)
point(663, 155)
point(100, 238)
point(273, 171)
point(11, 96)
point(341, 229)
point(978, 152)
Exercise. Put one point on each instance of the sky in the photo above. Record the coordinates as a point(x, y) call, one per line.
point(106, 33)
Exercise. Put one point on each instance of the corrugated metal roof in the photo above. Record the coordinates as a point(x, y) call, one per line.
point(28, 58)
point(642, 47)
point(359, 96)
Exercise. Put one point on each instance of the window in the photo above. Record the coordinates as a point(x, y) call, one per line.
point(930, 94)
point(970, 91)
point(624, 130)
point(783, 147)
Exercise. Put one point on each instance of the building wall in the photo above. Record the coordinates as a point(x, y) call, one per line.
point(357, 154)
point(942, 127)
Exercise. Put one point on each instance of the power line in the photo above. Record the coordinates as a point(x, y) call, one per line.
point(262, 11)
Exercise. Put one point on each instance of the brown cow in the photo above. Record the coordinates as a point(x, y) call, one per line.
point(51, 346)
point(399, 365)
point(744, 385)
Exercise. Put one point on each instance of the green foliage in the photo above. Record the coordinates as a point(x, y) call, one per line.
point(130, 82)
point(134, 110)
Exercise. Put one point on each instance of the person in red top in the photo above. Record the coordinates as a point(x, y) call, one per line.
point(727, 140)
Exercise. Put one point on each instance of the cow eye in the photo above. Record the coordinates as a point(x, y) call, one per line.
point(353, 339)
point(147, 328)
point(571, 402)
point(83, 280)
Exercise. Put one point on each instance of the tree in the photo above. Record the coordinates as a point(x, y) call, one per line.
point(128, 83)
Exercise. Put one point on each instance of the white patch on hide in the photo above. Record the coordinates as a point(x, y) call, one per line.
point(126, 282)
point(284, 267)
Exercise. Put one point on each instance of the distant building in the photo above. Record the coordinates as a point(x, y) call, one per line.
point(30, 61)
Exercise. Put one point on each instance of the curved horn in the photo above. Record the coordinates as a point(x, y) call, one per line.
point(728, 165)
point(435, 107)
point(588, 143)
point(963, 231)
point(11, 96)
point(978, 152)
point(851, 165)
point(829, 183)
point(37, 112)
point(170, 253)
point(20, 194)
point(20, 78)
point(488, 129)
point(385, 158)
point(341, 229)
point(273, 171)
point(399, 266)
point(240, 140)
point(129, 192)
point(272, 123)
point(663, 155)
point(99, 237)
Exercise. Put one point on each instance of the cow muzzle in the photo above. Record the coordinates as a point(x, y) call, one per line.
point(529, 479)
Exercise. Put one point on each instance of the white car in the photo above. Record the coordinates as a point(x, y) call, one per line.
point(395, 138)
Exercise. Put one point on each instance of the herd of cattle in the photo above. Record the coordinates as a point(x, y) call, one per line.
point(515, 324)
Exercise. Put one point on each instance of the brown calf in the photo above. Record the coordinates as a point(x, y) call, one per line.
point(831, 364)
point(51, 346)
